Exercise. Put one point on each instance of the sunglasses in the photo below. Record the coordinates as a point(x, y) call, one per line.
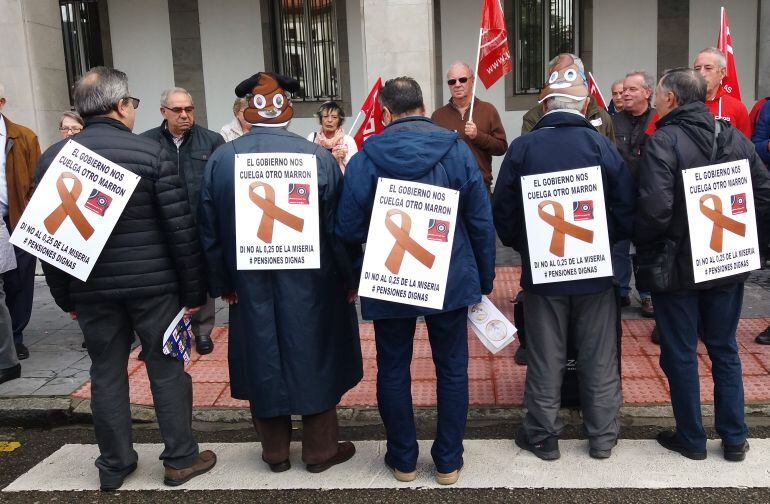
point(462, 80)
point(179, 110)
point(134, 101)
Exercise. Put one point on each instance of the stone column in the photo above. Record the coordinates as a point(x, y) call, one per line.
point(399, 40)
point(32, 65)
point(763, 49)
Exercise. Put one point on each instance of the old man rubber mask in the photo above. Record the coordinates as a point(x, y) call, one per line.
point(566, 80)
point(268, 101)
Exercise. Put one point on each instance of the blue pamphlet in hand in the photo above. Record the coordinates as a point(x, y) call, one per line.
point(177, 339)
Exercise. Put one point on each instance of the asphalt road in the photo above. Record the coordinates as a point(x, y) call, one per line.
point(38, 443)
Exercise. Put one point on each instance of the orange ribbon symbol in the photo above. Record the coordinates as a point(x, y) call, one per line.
point(68, 208)
point(720, 221)
point(561, 227)
point(404, 243)
point(271, 212)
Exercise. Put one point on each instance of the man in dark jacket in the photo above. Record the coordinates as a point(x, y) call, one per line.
point(413, 148)
point(150, 266)
point(685, 139)
point(587, 308)
point(190, 145)
point(293, 341)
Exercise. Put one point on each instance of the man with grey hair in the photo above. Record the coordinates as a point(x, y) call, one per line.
point(616, 103)
point(712, 65)
point(150, 266)
point(190, 146)
point(597, 116)
point(687, 136)
point(18, 158)
point(632, 127)
point(484, 132)
point(587, 309)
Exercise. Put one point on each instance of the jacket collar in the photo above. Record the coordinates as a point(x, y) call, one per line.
point(561, 119)
point(165, 132)
point(106, 121)
point(407, 123)
point(684, 113)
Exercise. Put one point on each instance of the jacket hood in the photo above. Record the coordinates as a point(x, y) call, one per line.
point(409, 148)
point(560, 119)
point(696, 122)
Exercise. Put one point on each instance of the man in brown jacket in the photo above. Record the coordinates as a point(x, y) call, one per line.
point(484, 132)
point(18, 159)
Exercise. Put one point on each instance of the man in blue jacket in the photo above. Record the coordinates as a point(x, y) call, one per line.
point(562, 140)
point(413, 148)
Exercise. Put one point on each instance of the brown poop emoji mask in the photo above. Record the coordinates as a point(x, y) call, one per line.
point(565, 80)
point(268, 102)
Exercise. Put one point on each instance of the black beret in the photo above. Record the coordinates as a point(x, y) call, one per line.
point(287, 83)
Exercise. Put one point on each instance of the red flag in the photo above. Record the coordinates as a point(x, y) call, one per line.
point(494, 54)
point(372, 124)
point(595, 92)
point(725, 44)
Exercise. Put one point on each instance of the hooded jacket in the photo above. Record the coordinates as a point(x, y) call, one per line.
point(416, 149)
point(684, 139)
point(561, 141)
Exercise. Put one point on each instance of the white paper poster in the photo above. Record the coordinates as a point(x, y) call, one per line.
point(74, 210)
point(409, 245)
point(490, 325)
point(566, 225)
point(720, 212)
point(276, 211)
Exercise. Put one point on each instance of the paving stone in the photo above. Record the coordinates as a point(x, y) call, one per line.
point(22, 386)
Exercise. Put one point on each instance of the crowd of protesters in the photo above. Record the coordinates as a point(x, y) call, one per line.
point(293, 343)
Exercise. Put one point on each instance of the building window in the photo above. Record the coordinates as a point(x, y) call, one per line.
point(82, 38)
point(542, 29)
point(306, 48)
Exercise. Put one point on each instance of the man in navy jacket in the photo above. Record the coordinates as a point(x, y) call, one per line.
point(563, 139)
point(413, 148)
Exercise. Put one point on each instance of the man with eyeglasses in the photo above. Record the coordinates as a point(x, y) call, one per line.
point(484, 132)
point(150, 266)
point(18, 158)
point(190, 146)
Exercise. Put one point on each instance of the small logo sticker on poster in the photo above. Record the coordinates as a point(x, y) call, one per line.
point(583, 210)
point(299, 194)
point(738, 203)
point(98, 202)
point(438, 230)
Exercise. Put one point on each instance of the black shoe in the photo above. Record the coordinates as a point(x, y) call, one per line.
point(520, 357)
point(547, 449)
point(109, 482)
point(670, 441)
point(735, 452)
point(655, 336)
point(763, 338)
point(203, 344)
point(278, 467)
point(10, 373)
point(345, 452)
point(625, 301)
point(21, 351)
point(601, 454)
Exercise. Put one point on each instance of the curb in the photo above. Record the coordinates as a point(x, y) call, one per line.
point(34, 411)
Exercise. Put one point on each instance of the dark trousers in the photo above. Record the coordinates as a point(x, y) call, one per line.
point(676, 315)
point(592, 320)
point(448, 334)
point(108, 328)
point(320, 435)
point(19, 285)
point(203, 320)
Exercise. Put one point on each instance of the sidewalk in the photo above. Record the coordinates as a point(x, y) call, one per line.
point(58, 366)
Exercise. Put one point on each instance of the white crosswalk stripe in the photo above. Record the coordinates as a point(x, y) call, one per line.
point(488, 464)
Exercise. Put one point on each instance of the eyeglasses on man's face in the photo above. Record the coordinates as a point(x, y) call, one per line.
point(179, 110)
point(134, 101)
point(461, 80)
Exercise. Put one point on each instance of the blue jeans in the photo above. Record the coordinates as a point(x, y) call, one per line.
point(448, 334)
point(677, 314)
point(622, 268)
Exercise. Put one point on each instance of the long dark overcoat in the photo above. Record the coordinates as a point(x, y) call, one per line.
point(293, 342)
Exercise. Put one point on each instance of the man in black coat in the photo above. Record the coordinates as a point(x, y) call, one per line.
point(685, 138)
point(149, 268)
point(190, 146)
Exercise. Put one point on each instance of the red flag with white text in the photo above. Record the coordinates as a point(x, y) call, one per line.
point(595, 92)
point(494, 53)
point(372, 124)
point(725, 44)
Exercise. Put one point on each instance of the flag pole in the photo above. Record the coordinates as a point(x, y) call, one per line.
point(354, 122)
point(475, 75)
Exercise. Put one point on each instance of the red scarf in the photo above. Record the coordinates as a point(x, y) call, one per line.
point(332, 143)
